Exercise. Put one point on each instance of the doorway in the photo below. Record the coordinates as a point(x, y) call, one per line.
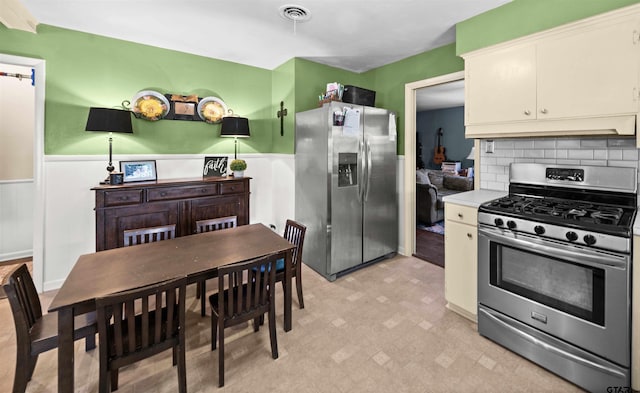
point(38, 66)
point(411, 93)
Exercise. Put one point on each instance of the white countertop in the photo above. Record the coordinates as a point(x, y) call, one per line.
point(474, 198)
point(636, 224)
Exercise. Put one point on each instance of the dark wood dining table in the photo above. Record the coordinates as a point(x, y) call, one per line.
point(196, 256)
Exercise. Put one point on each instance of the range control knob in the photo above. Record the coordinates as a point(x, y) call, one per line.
point(589, 239)
point(511, 224)
point(572, 236)
point(498, 222)
point(538, 229)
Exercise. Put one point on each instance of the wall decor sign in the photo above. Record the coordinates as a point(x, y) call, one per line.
point(214, 167)
point(153, 106)
point(138, 170)
point(182, 107)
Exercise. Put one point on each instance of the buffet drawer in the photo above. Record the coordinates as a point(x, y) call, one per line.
point(168, 193)
point(232, 188)
point(120, 198)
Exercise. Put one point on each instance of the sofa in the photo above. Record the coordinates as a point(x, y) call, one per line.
point(431, 187)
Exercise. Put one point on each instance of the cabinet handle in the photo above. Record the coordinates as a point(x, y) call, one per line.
point(163, 194)
point(459, 215)
point(124, 198)
point(203, 190)
point(469, 235)
point(527, 112)
point(543, 110)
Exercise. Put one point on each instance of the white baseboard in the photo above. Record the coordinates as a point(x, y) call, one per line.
point(8, 256)
point(51, 285)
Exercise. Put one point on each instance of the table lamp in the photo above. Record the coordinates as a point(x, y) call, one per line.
point(236, 127)
point(472, 157)
point(109, 120)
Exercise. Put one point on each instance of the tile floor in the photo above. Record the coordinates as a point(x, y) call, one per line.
point(384, 328)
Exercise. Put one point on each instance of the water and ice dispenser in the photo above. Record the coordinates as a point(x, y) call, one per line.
point(347, 169)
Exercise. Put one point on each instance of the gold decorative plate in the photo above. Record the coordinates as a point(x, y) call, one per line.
point(150, 105)
point(212, 109)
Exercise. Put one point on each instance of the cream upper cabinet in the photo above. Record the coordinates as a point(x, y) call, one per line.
point(501, 86)
point(589, 73)
point(581, 78)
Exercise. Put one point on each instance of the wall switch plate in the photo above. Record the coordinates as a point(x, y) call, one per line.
point(489, 146)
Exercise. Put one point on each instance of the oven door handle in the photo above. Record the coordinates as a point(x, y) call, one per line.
point(585, 257)
point(551, 348)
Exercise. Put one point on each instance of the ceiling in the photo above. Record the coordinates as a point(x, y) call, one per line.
point(356, 35)
point(445, 95)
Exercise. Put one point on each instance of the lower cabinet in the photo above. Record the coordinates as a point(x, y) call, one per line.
point(180, 202)
point(461, 259)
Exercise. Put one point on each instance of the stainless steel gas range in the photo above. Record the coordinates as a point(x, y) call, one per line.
point(554, 270)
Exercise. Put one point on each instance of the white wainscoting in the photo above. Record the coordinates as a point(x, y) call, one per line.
point(16, 219)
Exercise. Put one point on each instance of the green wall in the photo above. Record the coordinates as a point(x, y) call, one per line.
point(390, 80)
point(84, 70)
point(522, 17)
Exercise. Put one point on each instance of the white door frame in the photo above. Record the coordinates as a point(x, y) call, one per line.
point(409, 213)
point(38, 162)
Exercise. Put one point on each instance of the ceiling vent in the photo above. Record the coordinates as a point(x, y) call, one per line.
point(295, 13)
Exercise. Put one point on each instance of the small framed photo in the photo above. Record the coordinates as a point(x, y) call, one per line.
point(138, 170)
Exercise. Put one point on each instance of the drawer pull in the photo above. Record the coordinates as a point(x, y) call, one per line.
point(469, 235)
point(163, 193)
point(203, 190)
point(459, 215)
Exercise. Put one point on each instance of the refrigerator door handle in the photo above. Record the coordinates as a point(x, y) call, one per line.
point(369, 165)
point(360, 170)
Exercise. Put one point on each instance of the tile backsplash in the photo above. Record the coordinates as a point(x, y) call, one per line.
point(611, 151)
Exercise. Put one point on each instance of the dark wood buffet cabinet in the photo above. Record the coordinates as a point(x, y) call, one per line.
point(164, 202)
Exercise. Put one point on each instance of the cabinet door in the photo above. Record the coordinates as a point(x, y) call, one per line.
point(500, 86)
point(118, 220)
point(461, 270)
point(590, 72)
point(223, 206)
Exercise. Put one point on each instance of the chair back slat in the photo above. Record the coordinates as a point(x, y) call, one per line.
point(117, 317)
point(216, 224)
point(149, 235)
point(145, 322)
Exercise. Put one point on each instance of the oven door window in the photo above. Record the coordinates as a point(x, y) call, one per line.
point(569, 287)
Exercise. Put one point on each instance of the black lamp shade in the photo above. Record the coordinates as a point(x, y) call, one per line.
point(235, 126)
point(109, 120)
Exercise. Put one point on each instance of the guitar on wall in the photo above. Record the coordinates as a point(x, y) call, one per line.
point(438, 156)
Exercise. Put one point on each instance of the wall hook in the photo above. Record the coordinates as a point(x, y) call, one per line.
point(281, 114)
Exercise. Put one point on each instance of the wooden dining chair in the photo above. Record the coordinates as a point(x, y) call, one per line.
point(245, 292)
point(213, 224)
point(127, 336)
point(148, 235)
point(37, 333)
point(294, 232)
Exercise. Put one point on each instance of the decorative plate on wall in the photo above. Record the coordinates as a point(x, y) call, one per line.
point(150, 105)
point(212, 109)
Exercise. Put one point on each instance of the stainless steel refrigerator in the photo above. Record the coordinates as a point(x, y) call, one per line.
point(345, 172)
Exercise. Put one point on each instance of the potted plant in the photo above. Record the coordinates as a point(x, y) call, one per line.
point(238, 167)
